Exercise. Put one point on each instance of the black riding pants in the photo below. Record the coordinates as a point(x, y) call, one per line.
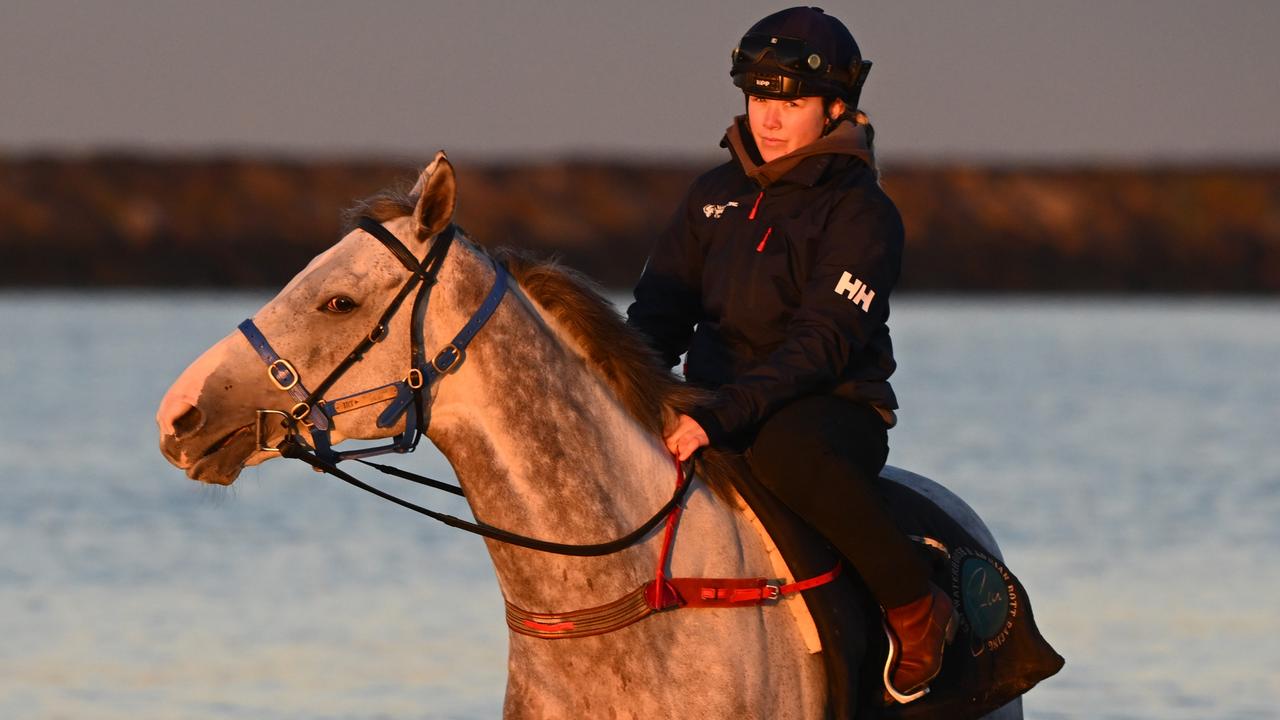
point(822, 455)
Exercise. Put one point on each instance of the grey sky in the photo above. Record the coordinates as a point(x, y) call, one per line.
point(1128, 80)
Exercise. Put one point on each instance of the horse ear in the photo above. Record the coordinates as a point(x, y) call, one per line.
point(437, 194)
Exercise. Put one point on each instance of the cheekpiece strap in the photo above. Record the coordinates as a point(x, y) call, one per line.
point(452, 355)
point(282, 372)
point(449, 357)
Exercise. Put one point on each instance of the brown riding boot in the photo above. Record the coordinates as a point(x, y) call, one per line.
point(918, 633)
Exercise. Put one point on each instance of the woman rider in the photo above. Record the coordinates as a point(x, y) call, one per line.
point(774, 277)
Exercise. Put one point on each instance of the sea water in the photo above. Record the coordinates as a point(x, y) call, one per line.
point(1123, 451)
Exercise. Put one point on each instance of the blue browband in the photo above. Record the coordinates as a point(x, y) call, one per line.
point(317, 414)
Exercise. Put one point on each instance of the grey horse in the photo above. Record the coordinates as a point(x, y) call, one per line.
point(552, 423)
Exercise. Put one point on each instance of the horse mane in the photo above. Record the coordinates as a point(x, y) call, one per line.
point(650, 393)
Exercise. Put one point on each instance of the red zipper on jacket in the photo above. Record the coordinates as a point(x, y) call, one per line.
point(752, 216)
point(765, 239)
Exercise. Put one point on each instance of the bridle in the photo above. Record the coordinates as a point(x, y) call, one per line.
point(406, 395)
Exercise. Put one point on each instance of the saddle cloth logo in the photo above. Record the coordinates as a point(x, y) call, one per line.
point(986, 598)
point(855, 290)
point(715, 211)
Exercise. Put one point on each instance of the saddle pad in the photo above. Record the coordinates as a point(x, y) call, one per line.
point(839, 608)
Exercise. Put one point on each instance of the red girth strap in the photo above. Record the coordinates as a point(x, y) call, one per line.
point(645, 600)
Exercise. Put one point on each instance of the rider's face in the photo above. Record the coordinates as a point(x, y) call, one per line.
point(781, 126)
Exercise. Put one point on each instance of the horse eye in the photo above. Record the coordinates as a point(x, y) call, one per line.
point(340, 304)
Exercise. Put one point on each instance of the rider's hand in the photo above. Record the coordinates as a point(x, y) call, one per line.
point(686, 438)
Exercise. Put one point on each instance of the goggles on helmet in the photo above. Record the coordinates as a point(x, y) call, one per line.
point(786, 67)
point(787, 53)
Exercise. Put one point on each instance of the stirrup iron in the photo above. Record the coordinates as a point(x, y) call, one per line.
point(888, 669)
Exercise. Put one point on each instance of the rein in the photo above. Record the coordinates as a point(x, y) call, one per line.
point(587, 550)
point(406, 398)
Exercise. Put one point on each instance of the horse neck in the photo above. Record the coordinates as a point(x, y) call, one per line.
point(542, 446)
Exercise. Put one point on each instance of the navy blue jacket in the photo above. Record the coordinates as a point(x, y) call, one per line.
point(781, 291)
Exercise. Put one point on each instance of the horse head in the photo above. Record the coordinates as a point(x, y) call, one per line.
point(209, 420)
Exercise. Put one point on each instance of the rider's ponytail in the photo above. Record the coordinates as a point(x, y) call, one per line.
point(863, 121)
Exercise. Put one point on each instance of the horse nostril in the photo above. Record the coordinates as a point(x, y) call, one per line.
point(188, 422)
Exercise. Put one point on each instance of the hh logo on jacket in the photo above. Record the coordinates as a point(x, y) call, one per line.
point(855, 290)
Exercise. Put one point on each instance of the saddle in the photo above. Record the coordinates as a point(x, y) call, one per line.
point(998, 654)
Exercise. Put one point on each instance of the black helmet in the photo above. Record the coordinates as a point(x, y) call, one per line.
point(799, 52)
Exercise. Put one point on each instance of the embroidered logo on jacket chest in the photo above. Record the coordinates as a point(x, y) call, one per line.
point(715, 211)
point(855, 290)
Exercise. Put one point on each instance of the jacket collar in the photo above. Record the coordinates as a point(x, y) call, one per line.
point(804, 165)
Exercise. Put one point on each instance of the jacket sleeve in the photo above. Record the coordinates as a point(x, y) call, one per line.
point(668, 296)
point(843, 304)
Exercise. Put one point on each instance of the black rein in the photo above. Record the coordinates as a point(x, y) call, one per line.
point(295, 450)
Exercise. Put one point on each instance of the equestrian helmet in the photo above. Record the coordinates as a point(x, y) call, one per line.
point(799, 52)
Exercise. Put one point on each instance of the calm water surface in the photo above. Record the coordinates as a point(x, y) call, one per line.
point(1124, 452)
